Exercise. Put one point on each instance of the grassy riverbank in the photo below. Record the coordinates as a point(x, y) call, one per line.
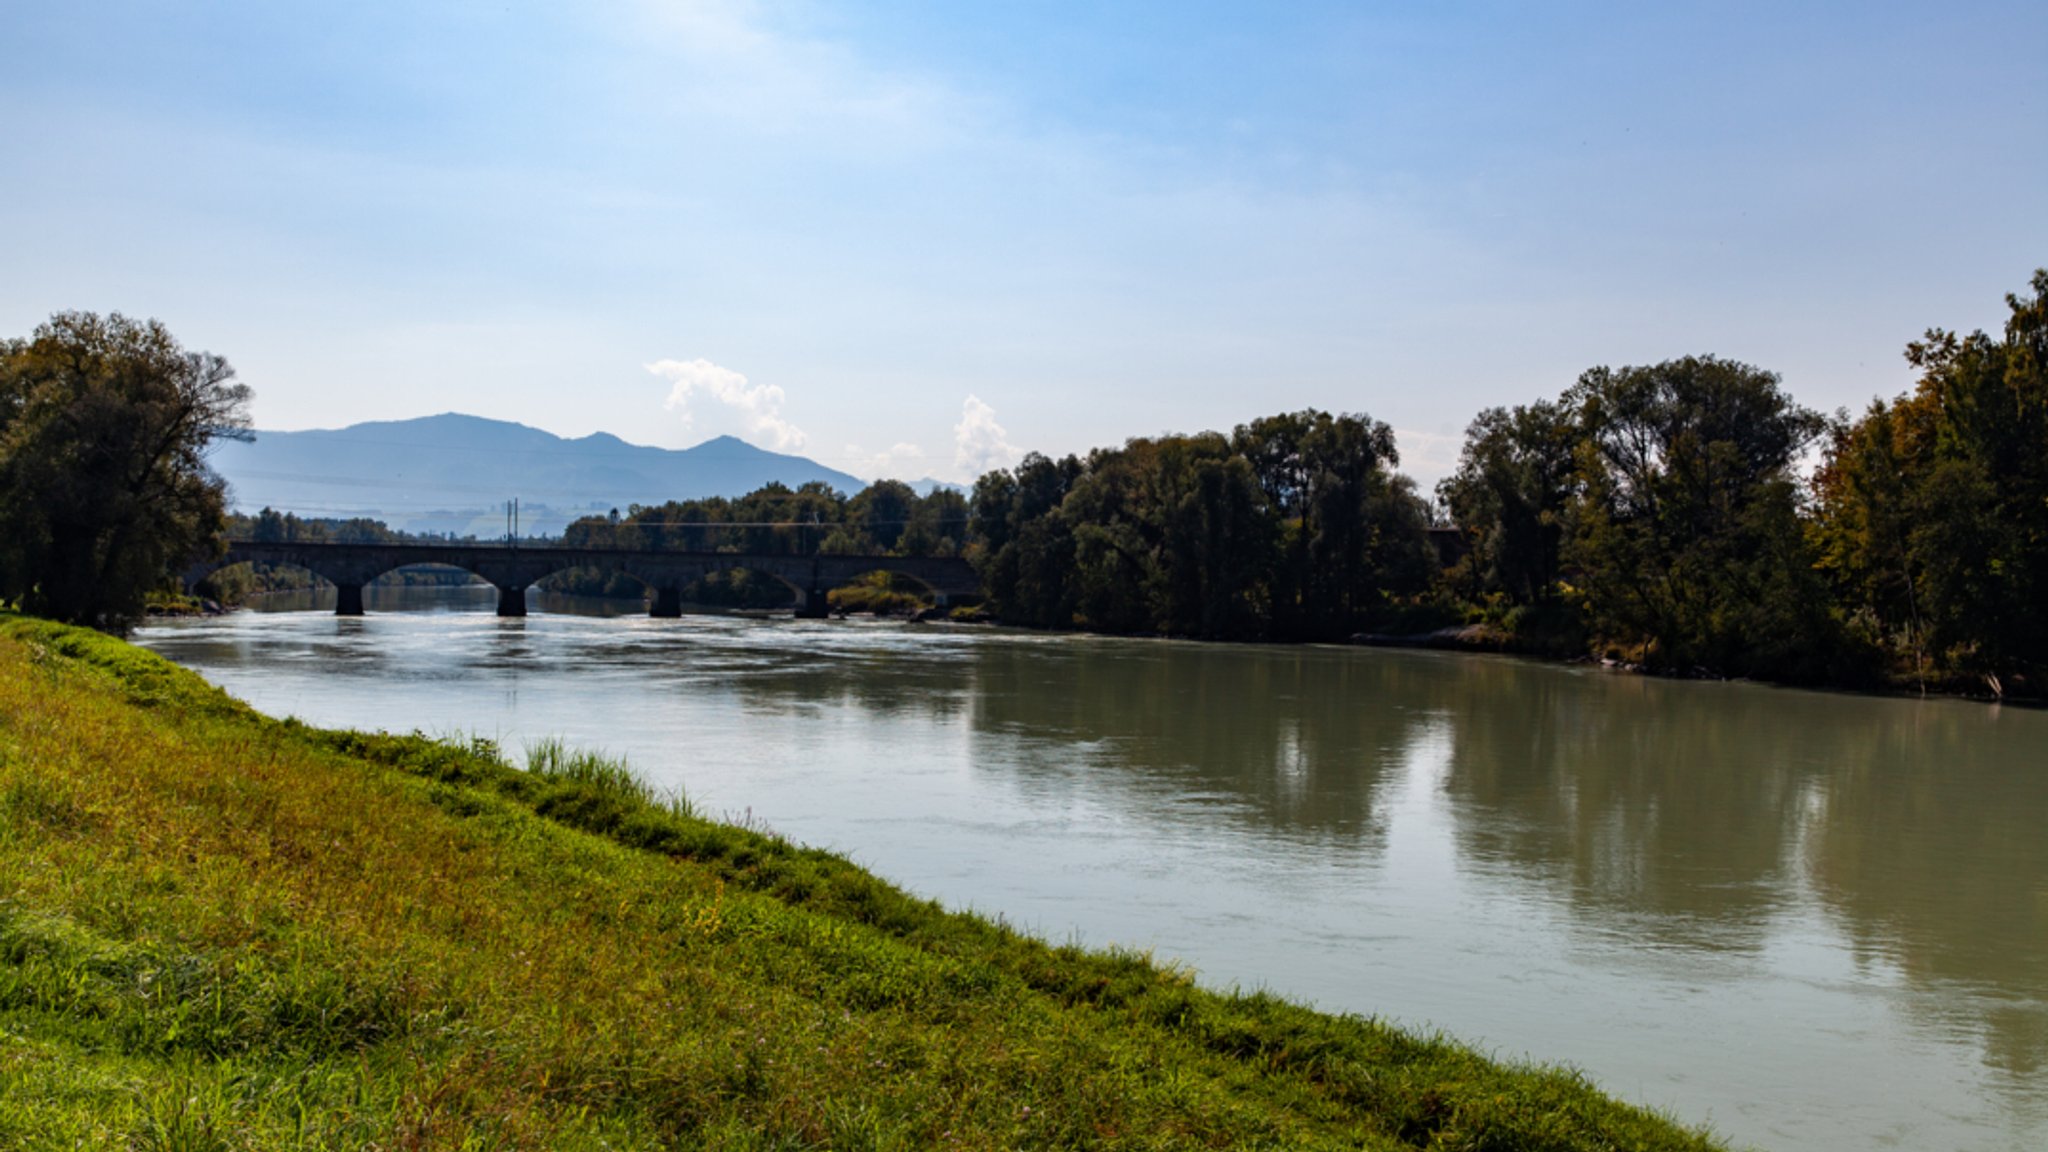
point(223, 931)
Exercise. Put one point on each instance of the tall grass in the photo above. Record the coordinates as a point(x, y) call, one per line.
point(596, 774)
point(221, 931)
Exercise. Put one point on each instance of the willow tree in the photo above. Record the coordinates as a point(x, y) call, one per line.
point(105, 493)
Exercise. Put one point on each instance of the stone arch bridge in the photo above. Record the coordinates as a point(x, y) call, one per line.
point(512, 569)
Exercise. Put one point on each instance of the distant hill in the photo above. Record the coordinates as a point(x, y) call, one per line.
point(454, 473)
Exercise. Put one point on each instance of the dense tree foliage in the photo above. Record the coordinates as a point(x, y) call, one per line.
point(1292, 527)
point(886, 518)
point(104, 487)
point(1351, 532)
point(1660, 508)
point(1685, 535)
point(1514, 482)
point(1932, 517)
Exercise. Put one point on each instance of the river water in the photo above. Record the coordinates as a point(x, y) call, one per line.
point(1807, 920)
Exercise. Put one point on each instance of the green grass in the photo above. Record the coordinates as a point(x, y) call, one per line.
point(223, 931)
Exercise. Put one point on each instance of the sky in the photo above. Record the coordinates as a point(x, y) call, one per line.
point(915, 239)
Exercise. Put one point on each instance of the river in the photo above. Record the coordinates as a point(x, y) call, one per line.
point(1808, 920)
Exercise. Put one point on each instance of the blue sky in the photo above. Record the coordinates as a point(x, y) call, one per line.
point(918, 238)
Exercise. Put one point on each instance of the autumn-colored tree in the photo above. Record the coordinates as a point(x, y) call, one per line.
point(1932, 509)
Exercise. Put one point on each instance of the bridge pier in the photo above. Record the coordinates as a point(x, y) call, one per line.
point(812, 605)
point(511, 601)
point(348, 599)
point(667, 603)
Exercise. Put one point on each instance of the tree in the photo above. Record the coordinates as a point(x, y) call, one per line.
point(1215, 537)
point(1508, 496)
point(1932, 515)
point(938, 527)
point(1170, 535)
point(1024, 546)
point(1350, 530)
point(105, 492)
point(1684, 532)
point(882, 511)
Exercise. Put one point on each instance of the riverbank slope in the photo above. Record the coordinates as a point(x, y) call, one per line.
point(219, 930)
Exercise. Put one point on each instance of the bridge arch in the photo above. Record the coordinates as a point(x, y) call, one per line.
point(512, 569)
point(577, 575)
point(884, 590)
point(721, 582)
point(233, 582)
point(668, 583)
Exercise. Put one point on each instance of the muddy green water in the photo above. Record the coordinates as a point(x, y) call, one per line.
point(1807, 920)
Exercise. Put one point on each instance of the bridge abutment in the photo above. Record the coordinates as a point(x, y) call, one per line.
point(348, 599)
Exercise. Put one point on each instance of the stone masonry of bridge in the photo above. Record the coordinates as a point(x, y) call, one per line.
point(512, 569)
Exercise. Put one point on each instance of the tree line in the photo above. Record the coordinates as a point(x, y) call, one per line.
point(1688, 516)
point(888, 517)
point(1661, 513)
point(1293, 527)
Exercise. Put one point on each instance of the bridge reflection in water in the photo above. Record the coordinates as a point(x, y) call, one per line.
point(512, 569)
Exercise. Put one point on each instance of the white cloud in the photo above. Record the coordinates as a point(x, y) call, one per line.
point(898, 462)
point(758, 405)
point(979, 443)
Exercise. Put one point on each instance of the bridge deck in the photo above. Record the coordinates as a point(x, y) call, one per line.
point(513, 567)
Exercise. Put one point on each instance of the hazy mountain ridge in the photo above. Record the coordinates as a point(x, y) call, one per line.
point(454, 473)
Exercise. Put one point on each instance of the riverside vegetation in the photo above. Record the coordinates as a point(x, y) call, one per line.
point(224, 931)
point(1655, 514)
point(1690, 517)
point(1662, 515)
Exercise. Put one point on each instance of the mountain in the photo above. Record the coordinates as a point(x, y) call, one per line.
point(454, 473)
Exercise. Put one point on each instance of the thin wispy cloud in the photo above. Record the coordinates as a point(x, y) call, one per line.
point(758, 406)
point(744, 64)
